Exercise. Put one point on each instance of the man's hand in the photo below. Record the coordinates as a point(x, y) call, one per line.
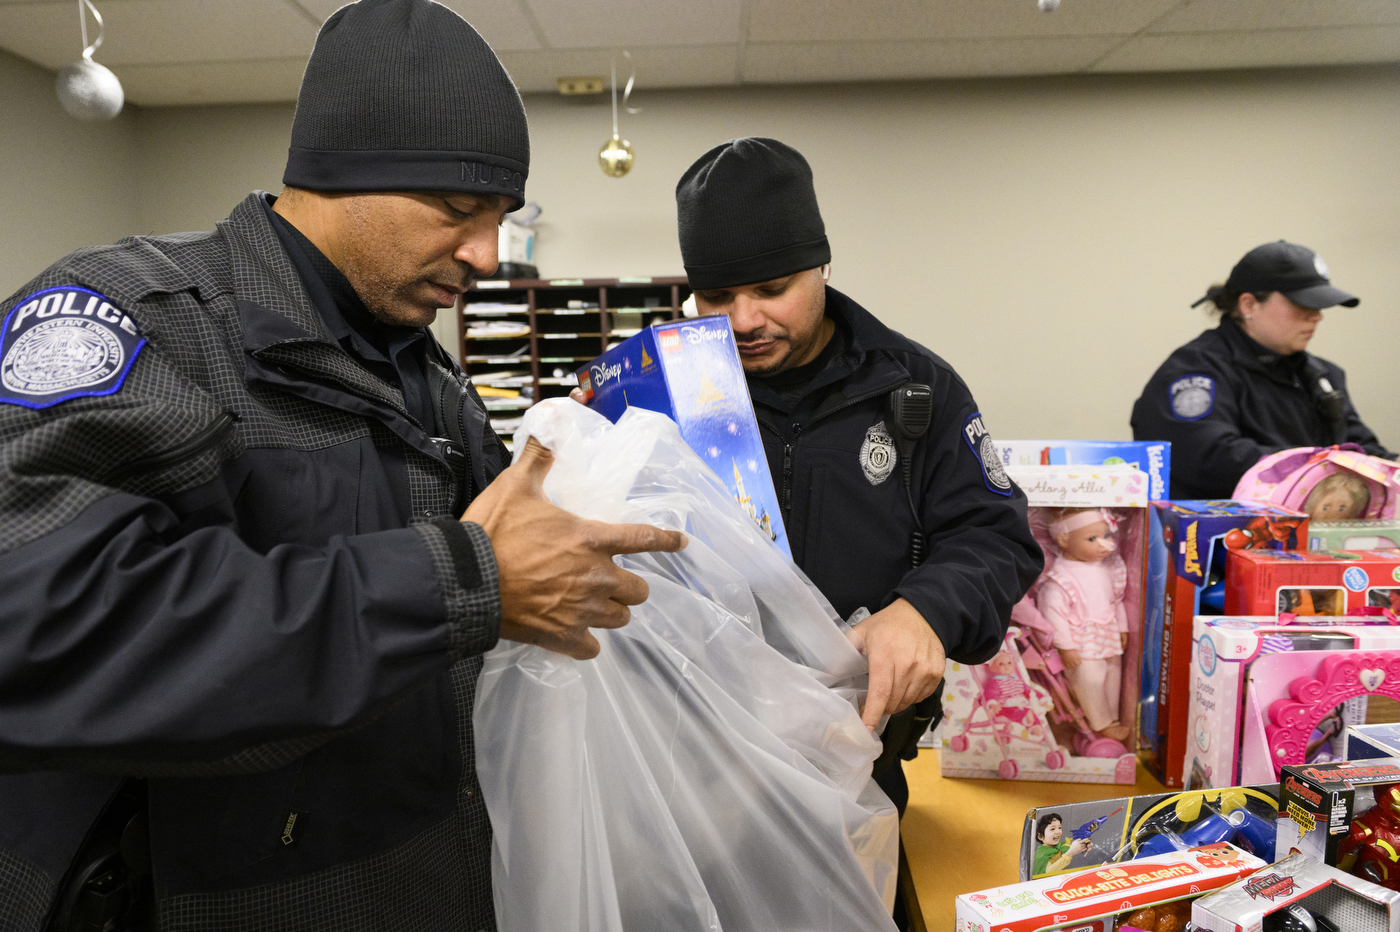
point(556, 570)
point(906, 660)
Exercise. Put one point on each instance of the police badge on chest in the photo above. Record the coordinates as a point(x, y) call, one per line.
point(877, 454)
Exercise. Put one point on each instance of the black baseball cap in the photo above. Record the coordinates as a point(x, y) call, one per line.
point(1295, 270)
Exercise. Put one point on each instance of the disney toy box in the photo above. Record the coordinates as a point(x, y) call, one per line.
point(1058, 700)
point(1077, 836)
point(1194, 537)
point(1346, 814)
point(1372, 534)
point(1312, 582)
point(1244, 672)
point(1095, 900)
point(1307, 889)
point(689, 370)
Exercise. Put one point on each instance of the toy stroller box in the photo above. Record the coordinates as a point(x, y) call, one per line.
point(1077, 836)
point(1057, 701)
point(1312, 582)
point(690, 371)
point(1243, 675)
point(1194, 537)
point(1345, 902)
point(1354, 535)
point(1092, 900)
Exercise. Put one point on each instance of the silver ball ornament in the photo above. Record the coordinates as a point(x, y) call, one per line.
point(1048, 6)
point(89, 91)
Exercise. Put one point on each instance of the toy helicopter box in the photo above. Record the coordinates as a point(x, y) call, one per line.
point(1092, 900)
point(1349, 903)
point(1318, 802)
point(689, 371)
point(1241, 667)
point(1018, 716)
point(1312, 582)
point(1077, 836)
point(1193, 538)
point(1369, 534)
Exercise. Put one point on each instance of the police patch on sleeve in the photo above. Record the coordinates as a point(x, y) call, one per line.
point(63, 343)
point(1192, 397)
point(877, 454)
point(979, 440)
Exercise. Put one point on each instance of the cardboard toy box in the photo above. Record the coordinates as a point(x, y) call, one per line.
point(1367, 742)
point(1312, 582)
point(1193, 538)
point(1375, 534)
point(1126, 827)
point(1092, 900)
point(1350, 903)
point(1018, 716)
point(1318, 802)
point(1241, 667)
point(689, 370)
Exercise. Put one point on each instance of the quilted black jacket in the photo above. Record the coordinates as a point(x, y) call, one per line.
point(240, 576)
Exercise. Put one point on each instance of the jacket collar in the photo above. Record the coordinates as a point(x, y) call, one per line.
point(1254, 355)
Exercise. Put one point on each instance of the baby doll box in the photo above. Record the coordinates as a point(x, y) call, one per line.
point(1369, 534)
point(1289, 477)
point(1130, 827)
point(1017, 716)
point(1193, 536)
point(1243, 668)
point(1312, 582)
point(1092, 899)
point(690, 372)
point(1318, 802)
point(1348, 903)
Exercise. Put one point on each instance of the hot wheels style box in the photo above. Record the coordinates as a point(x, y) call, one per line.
point(1313, 582)
point(1344, 902)
point(1091, 900)
point(690, 371)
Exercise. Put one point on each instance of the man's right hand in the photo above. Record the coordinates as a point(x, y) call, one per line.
point(556, 571)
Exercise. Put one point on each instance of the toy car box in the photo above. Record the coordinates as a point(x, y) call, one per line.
point(1349, 903)
point(1124, 828)
point(690, 371)
point(1092, 900)
point(1241, 667)
point(1373, 534)
point(1312, 582)
point(1193, 538)
point(1018, 716)
point(1317, 803)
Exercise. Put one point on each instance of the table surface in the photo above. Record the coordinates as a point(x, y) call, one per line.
point(965, 835)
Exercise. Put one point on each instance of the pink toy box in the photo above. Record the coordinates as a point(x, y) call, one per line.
point(1299, 882)
point(1243, 674)
point(1058, 701)
point(1290, 477)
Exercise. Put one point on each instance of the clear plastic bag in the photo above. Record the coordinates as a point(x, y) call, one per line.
point(708, 770)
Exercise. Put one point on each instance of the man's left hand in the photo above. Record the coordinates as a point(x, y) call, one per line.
point(906, 660)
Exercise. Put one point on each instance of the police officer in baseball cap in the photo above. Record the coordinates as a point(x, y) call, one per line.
point(1249, 387)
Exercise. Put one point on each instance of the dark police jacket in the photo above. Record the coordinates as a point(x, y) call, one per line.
point(846, 511)
point(235, 570)
point(1224, 402)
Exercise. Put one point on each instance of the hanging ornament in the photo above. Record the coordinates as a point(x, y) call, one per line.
point(615, 158)
point(87, 90)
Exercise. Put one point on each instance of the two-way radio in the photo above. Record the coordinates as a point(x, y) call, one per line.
point(910, 414)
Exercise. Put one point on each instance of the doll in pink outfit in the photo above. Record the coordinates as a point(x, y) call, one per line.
point(1007, 695)
point(1081, 596)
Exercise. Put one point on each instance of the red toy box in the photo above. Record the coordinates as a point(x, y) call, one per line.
point(1312, 582)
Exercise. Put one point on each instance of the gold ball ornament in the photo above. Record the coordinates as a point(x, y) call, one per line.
point(615, 158)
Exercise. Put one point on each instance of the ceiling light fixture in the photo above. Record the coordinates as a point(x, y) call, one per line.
point(1048, 6)
point(615, 158)
point(87, 90)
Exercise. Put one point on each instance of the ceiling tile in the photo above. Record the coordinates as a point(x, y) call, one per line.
point(502, 23)
point(868, 20)
point(782, 63)
point(1216, 15)
point(1286, 47)
point(265, 81)
point(672, 66)
point(624, 23)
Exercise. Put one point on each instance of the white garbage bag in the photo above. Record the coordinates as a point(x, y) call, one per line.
point(708, 770)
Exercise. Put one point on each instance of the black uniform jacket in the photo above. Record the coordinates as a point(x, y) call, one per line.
point(241, 576)
point(1224, 402)
point(849, 527)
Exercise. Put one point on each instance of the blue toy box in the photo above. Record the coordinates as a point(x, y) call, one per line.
point(689, 371)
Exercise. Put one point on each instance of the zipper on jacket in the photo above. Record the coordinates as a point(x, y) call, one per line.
point(206, 437)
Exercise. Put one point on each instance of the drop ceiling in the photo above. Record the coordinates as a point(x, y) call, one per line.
point(173, 52)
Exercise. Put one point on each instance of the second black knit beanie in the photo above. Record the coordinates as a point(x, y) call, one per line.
point(404, 95)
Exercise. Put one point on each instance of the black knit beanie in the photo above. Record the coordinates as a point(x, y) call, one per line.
point(403, 95)
point(748, 213)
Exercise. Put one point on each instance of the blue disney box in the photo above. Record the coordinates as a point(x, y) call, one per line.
point(689, 370)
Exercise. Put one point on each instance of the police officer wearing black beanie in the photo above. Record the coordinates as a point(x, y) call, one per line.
point(909, 516)
point(244, 609)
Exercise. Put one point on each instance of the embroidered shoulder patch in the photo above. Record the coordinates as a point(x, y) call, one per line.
point(979, 440)
point(63, 343)
point(1192, 397)
point(877, 454)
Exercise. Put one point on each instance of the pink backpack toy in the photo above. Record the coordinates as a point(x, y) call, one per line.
point(1289, 478)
